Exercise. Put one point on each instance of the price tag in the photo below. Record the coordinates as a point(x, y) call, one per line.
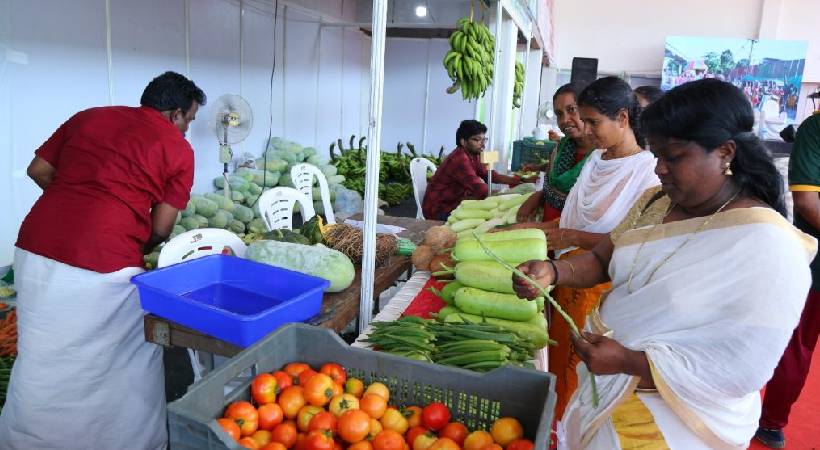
point(489, 158)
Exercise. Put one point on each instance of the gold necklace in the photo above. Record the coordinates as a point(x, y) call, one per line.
point(635, 152)
point(670, 255)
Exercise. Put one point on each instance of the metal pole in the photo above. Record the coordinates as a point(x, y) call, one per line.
point(497, 137)
point(371, 190)
point(524, 88)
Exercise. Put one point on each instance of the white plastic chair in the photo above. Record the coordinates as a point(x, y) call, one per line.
point(196, 244)
point(418, 173)
point(276, 207)
point(302, 176)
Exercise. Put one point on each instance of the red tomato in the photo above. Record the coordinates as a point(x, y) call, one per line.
point(294, 369)
point(262, 437)
point(270, 415)
point(413, 414)
point(245, 415)
point(373, 404)
point(388, 440)
point(285, 433)
point(424, 441)
point(492, 447)
point(283, 381)
point(435, 416)
point(263, 389)
point(230, 427)
point(506, 430)
point(444, 444)
point(477, 440)
point(305, 375)
point(520, 444)
point(334, 371)
point(305, 415)
point(354, 425)
point(324, 420)
point(247, 442)
point(455, 431)
point(274, 446)
point(318, 389)
point(413, 432)
point(361, 445)
point(292, 400)
point(319, 440)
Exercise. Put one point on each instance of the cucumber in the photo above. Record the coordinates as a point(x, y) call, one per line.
point(513, 202)
point(487, 203)
point(511, 251)
point(485, 275)
point(448, 292)
point(525, 233)
point(446, 311)
point(533, 330)
point(494, 304)
point(472, 214)
point(465, 224)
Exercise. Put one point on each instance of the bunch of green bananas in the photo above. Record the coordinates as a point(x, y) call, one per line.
point(518, 89)
point(469, 62)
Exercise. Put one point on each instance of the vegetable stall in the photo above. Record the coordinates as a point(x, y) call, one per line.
point(296, 396)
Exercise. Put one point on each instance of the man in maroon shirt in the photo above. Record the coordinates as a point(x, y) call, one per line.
point(113, 180)
point(461, 175)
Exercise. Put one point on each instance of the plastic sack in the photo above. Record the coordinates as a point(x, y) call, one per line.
point(246, 160)
point(348, 202)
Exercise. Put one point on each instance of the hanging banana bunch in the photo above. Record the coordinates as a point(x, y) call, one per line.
point(518, 88)
point(469, 62)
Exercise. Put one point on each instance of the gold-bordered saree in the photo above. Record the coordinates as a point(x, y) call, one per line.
point(713, 321)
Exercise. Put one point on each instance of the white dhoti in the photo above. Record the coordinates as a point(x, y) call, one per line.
point(84, 378)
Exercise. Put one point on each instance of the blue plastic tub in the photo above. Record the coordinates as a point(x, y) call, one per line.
point(230, 298)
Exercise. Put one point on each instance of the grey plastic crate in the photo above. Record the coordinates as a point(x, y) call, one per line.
point(474, 399)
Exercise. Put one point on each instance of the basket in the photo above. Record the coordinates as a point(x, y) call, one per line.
point(531, 152)
point(474, 399)
point(233, 299)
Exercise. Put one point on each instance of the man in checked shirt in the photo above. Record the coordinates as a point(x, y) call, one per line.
point(462, 175)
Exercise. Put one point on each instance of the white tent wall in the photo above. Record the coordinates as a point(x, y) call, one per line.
point(53, 57)
point(425, 115)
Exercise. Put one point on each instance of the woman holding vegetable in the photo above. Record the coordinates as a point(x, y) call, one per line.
point(709, 280)
point(565, 162)
point(611, 180)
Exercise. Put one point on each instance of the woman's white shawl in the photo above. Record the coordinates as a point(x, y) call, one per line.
point(713, 321)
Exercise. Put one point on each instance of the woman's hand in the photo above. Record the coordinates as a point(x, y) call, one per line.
point(527, 209)
point(602, 355)
point(560, 238)
point(540, 271)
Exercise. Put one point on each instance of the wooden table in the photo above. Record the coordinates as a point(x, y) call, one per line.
point(338, 309)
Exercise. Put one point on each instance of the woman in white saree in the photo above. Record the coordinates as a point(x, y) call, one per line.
point(708, 282)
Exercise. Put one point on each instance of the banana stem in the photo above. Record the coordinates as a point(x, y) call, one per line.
point(546, 295)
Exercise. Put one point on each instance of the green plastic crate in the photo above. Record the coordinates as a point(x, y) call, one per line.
point(474, 399)
point(530, 151)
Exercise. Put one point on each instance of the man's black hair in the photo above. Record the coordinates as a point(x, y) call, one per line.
point(468, 129)
point(170, 91)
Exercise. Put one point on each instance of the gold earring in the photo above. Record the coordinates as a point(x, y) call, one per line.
point(727, 169)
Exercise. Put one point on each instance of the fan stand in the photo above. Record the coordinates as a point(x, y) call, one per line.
point(225, 156)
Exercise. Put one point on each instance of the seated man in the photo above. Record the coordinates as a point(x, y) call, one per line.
point(462, 175)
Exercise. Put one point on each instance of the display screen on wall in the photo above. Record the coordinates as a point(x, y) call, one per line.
point(769, 72)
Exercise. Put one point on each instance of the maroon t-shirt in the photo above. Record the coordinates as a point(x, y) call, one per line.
point(113, 164)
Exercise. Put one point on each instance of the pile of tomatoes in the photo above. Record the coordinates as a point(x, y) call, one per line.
point(302, 409)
